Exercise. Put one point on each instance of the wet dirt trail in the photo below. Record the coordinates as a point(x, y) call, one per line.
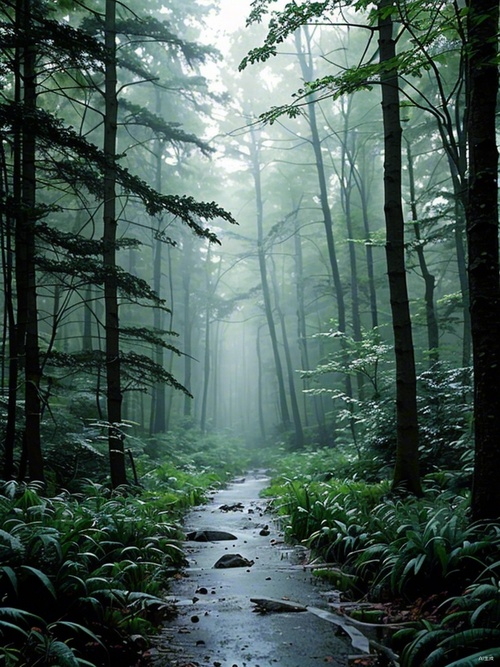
point(217, 624)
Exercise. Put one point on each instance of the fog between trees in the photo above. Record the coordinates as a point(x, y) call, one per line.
point(135, 305)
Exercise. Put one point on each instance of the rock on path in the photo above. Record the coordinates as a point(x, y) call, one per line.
point(217, 626)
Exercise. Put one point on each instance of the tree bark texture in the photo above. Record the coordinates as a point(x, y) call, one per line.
point(158, 398)
point(113, 378)
point(25, 260)
point(12, 226)
point(406, 473)
point(483, 267)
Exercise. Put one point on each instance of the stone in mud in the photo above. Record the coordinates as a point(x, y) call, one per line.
point(265, 605)
point(236, 507)
point(209, 536)
point(233, 560)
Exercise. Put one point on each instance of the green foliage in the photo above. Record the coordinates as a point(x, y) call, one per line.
point(188, 449)
point(445, 414)
point(399, 548)
point(169, 132)
point(51, 133)
point(81, 575)
point(412, 550)
point(444, 405)
point(317, 512)
point(467, 634)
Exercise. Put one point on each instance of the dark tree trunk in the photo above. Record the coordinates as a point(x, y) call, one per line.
point(25, 261)
point(87, 344)
point(8, 224)
point(406, 471)
point(482, 235)
point(158, 400)
point(113, 377)
point(158, 422)
point(464, 283)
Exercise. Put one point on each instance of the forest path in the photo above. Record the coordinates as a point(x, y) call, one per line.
point(217, 625)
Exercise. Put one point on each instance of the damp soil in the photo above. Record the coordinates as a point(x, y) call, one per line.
point(218, 624)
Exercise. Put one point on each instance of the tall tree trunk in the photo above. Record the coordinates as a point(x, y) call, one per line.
point(171, 391)
point(206, 353)
point(10, 321)
point(347, 167)
point(482, 235)
point(260, 401)
point(297, 421)
point(346, 175)
point(458, 170)
point(429, 280)
point(464, 283)
point(25, 259)
point(266, 294)
point(302, 330)
point(456, 153)
point(113, 375)
point(188, 328)
point(406, 471)
point(216, 347)
point(158, 399)
point(87, 344)
point(306, 66)
point(308, 74)
point(364, 200)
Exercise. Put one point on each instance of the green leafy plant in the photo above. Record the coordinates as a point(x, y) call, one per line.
point(468, 633)
point(81, 575)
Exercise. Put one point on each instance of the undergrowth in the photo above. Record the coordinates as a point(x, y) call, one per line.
point(81, 577)
point(422, 554)
point(82, 574)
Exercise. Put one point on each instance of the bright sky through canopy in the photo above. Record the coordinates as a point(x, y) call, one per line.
point(233, 14)
point(230, 16)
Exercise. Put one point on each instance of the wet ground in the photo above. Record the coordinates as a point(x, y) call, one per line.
point(217, 625)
